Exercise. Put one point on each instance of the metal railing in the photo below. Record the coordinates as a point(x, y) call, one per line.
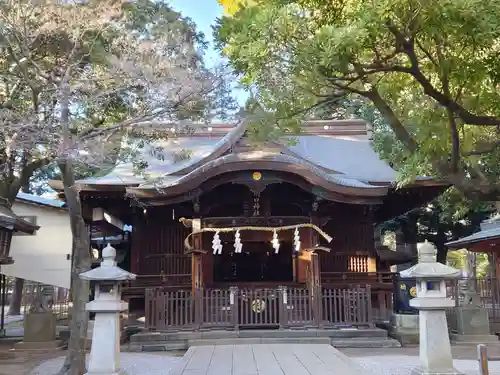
point(58, 299)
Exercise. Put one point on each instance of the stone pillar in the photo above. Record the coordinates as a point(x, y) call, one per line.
point(431, 301)
point(107, 305)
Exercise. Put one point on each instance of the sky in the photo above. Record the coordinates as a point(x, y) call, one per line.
point(204, 13)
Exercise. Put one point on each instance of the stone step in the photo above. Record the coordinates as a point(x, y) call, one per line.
point(264, 340)
point(148, 337)
point(359, 342)
point(365, 343)
point(478, 339)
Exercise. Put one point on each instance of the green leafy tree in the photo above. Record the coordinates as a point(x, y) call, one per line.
point(430, 68)
point(449, 217)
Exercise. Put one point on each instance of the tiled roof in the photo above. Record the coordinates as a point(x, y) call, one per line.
point(352, 156)
point(331, 150)
point(492, 232)
point(40, 200)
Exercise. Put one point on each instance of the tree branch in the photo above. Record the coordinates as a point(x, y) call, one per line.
point(446, 101)
point(483, 149)
point(396, 125)
point(25, 175)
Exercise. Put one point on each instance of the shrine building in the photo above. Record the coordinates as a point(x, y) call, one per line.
point(225, 232)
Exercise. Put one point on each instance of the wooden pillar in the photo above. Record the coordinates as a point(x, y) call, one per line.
point(482, 356)
point(308, 239)
point(196, 257)
point(315, 289)
point(197, 271)
point(135, 244)
point(315, 271)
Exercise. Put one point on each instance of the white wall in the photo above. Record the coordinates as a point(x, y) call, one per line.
point(42, 257)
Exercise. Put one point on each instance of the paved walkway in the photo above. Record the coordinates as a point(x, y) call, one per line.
point(267, 359)
point(377, 362)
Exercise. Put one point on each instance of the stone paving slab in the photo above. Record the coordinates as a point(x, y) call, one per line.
point(377, 362)
point(267, 359)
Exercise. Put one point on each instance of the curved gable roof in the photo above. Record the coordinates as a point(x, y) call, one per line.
point(264, 161)
point(336, 152)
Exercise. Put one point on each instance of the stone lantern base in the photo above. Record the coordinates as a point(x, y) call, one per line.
point(473, 326)
point(404, 328)
point(39, 332)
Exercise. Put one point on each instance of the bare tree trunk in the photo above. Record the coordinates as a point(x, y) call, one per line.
point(442, 253)
point(75, 358)
point(17, 297)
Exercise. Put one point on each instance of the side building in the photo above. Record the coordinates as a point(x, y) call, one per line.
point(45, 255)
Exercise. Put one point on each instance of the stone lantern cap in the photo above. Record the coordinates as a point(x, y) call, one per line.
point(108, 270)
point(427, 267)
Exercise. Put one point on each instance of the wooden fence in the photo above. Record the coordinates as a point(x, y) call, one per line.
point(259, 307)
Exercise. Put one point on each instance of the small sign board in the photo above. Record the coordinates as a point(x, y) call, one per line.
point(404, 291)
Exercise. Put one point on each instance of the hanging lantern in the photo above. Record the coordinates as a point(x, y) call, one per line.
point(216, 244)
point(9, 223)
point(296, 239)
point(5, 239)
point(275, 242)
point(238, 246)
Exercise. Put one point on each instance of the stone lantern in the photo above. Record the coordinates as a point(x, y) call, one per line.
point(107, 305)
point(431, 301)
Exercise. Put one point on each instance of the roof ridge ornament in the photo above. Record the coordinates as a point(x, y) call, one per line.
point(108, 256)
point(108, 269)
point(426, 252)
point(427, 267)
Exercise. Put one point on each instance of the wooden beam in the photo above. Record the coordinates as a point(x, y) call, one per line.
point(100, 215)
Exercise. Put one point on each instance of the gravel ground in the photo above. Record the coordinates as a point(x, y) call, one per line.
point(402, 365)
point(131, 363)
point(13, 318)
point(154, 364)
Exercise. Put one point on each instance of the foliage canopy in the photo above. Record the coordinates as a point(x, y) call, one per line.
point(429, 68)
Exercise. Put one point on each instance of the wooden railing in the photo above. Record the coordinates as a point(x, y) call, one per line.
point(331, 278)
point(173, 309)
point(347, 306)
point(137, 287)
point(264, 307)
point(215, 308)
point(384, 305)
